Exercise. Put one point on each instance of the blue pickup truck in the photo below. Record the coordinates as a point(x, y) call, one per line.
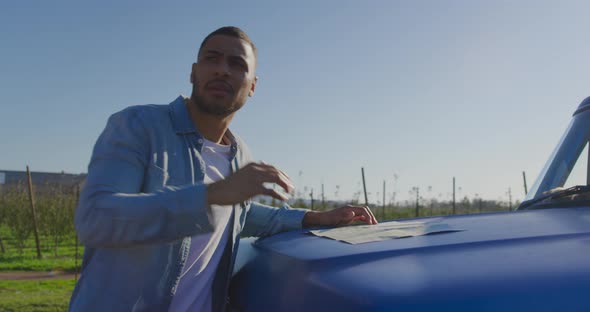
point(536, 258)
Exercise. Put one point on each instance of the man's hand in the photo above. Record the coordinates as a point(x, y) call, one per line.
point(339, 216)
point(247, 183)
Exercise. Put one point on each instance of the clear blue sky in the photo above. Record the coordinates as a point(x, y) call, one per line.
point(425, 90)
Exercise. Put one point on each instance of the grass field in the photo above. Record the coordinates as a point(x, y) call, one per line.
point(41, 296)
point(30, 295)
point(11, 260)
point(26, 260)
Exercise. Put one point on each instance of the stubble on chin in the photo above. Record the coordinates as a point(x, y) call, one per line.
point(212, 107)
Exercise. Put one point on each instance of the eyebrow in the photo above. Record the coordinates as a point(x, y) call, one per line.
point(215, 52)
point(238, 57)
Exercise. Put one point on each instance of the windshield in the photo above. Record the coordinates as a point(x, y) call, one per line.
point(568, 164)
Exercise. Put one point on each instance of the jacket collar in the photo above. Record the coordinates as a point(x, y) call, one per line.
point(181, 120)
point(183, 124)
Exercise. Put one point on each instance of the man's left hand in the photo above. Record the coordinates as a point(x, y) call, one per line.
point(339, 216)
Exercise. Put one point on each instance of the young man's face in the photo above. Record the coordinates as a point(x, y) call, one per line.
point(224, 75)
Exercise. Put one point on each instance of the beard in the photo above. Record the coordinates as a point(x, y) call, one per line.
point(220, 108)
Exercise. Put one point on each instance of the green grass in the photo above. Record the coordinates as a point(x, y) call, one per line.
point(26, 260)
point(46, 295)
point(19, 263)
point(29, 296)
point(12, 260)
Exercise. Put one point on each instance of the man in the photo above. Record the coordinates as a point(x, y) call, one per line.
point(169, 190)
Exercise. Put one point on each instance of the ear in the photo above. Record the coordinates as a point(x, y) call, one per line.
point(253, 87)
point(193, 73)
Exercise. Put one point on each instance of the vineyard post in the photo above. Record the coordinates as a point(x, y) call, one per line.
point(323, 198)
point(417, 202)
point(454, 205)
point(365, 186)
point(1, 200)
point(76, 235)
point(509, 199)
point(31, 197)
point(524, 180)
point(383, 209)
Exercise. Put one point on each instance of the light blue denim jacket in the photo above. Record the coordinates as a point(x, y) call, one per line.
point(143, 199)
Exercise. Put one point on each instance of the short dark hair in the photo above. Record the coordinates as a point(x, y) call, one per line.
point(231, 31)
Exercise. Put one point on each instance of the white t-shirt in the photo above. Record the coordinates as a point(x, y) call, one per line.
point(194, 291)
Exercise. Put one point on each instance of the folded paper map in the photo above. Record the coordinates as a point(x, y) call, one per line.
point(382, 231)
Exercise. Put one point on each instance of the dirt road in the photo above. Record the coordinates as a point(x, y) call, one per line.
point(35, 276)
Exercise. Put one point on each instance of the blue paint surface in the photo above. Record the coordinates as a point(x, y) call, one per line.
point(525, 261)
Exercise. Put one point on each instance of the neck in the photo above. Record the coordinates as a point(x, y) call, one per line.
point(212, 128)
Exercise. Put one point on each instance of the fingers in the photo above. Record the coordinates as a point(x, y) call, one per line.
point(341, 216)
point(274, 194)
point(348, 217)
point(248, 182)
point(257, 179)
point(270, 174)
point(364, 214)
point(281, 171)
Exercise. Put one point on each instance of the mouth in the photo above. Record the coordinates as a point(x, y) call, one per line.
point(217, 87)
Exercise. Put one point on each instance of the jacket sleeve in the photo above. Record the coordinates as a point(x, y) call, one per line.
point(263, 220)
point(114, 212)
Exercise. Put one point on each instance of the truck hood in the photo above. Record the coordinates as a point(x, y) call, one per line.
point(527, 260)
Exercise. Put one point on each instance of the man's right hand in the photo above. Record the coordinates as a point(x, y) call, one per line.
point(247, 183)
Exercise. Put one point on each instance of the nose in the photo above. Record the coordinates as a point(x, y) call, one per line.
point(222, 69)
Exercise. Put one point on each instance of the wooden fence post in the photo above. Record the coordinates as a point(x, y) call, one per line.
point(323, 198)
point(383, 209)
point(526, 189)
point(365, 186)
point(454, 203)
point(2, 200)
point(76, 234)
point(31, 197)
point(417, 202)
